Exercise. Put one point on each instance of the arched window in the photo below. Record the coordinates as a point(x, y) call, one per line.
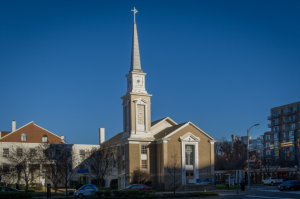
point(23, 137)
point(45, 138)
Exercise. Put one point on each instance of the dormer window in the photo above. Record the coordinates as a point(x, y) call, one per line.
point(45, 138)
point(23, 137)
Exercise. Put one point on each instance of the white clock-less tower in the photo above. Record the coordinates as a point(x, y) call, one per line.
point(136, 102)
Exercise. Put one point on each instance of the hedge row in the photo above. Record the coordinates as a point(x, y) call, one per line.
point(15, 195)
point(195, 194)
point(125, 193)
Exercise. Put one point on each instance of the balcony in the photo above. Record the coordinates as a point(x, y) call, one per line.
point(273, 124)
point(273, 116)
point(290, 112)
point(291, 128)
point(290, 120)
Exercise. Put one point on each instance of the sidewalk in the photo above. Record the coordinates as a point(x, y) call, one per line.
point(227, 193)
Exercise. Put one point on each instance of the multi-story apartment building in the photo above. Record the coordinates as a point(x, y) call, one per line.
point(257, 144)
point(285, 129)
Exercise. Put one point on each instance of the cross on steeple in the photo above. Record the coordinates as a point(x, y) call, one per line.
point(134, 11)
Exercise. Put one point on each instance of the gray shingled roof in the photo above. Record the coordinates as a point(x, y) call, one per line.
point(168, 130)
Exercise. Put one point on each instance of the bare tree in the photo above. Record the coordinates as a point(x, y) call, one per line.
point(231, 155)
point(66, 160)
point(49, 162)
point(174, 170)
point(9, 173)
point(23, 159)
point(102, 163)
point(140, 176)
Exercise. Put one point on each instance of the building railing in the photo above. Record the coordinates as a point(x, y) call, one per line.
point(273, 116)
point(290, 128)
point(290, 112)
point(290, 120)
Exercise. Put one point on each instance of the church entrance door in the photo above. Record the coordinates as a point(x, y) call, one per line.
point(189, 175)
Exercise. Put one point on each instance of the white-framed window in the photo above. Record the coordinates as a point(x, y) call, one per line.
point(144, 164)
point(275, 113)
point(267, 137)
point(189, 154)
point(282, 111)
point(298, 115)
point(298, 132)
point(19, 152)
point(143, 149)
point(275, 135)
point(5, 152)
point(82, 153)
point(283, 135)
point(283, 127)
point(23, 137)
point(298, 124)
point(268, 144)
point(291, 133)
point(283, 119)
point(45, 138)
point(268, 152)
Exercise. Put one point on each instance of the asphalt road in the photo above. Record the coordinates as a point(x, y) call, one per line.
point(267, 192)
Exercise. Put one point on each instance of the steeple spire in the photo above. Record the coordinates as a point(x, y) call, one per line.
point(135, 52)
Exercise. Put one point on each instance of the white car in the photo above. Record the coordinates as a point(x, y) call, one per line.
point(271, 181)
point(85, 190)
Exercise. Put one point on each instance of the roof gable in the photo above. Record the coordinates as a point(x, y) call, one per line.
point(192, 124)
point(34, 134)
point(162, 124)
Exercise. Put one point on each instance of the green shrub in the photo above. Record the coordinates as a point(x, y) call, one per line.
point(118, 193)
point(113, 184)
point(35, 186)
point(107, 193)
point(15, 195)
point(99, 194)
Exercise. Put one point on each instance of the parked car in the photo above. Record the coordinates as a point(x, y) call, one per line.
point(138, 186)
point(290, 185)
point(85, 190)
point(2, 189)
point(271, 181)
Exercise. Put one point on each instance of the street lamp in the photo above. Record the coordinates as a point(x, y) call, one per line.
point(248, 154)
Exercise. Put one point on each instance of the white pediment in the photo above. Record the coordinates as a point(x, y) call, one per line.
point(189, 137)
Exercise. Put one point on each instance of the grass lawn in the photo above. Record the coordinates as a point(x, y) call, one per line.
point(224, 186)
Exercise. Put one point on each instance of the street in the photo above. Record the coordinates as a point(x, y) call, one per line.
point(270, 192)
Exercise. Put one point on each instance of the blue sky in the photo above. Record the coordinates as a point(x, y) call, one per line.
point(220, 64)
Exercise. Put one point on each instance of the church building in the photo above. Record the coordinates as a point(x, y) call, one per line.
point(157, 146)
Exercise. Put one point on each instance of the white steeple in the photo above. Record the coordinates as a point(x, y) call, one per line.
point(135, 52)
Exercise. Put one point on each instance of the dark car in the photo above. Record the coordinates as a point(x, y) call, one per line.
point(8, 189)
point(138, 186)
point(290, 185)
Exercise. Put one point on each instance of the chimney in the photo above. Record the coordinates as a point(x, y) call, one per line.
point(62, 138)
point(13, 126)
point(232, 137)
point(101, 135)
